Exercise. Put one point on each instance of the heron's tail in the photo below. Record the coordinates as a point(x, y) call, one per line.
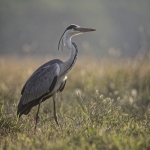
point(23, 109)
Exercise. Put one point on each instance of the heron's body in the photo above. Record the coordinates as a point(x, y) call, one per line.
point(24, 108)
point(50, 78)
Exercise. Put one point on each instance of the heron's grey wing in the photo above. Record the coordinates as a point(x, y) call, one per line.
point(40, 83)
point(54, 61)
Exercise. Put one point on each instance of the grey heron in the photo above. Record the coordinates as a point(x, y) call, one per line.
point(50, 78)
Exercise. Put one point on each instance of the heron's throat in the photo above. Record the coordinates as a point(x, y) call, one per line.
point(67, 65)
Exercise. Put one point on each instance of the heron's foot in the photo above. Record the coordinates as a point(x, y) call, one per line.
point(55, 117)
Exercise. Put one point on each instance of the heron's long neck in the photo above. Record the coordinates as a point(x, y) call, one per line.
point(67, 65)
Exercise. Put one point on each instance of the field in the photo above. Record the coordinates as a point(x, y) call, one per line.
point(105, 105)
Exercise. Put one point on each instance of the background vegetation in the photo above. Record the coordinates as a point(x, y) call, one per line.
point(35, 26)
point(105, 105)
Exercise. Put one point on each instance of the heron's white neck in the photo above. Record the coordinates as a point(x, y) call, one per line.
point(67, 65)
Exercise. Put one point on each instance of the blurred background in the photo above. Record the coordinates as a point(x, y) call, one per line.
point(33, 27)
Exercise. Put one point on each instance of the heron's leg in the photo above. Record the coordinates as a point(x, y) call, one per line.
point(37, 117)
point(54, 99)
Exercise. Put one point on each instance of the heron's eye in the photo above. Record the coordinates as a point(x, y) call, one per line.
point(75, 28)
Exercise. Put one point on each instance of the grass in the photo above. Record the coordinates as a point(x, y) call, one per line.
point(105, 105)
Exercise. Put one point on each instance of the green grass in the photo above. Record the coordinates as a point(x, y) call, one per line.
point(105, 105)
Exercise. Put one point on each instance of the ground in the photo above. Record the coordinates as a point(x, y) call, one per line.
point(105, 105)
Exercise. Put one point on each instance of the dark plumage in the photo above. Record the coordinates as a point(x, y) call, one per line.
point(25, 108)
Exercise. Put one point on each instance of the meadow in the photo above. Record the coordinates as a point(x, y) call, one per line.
point(104, 106)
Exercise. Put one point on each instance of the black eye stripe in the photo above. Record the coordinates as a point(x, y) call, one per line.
point(71, 27)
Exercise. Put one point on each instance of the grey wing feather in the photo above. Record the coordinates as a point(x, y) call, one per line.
point(54, 61)
point(40, 83)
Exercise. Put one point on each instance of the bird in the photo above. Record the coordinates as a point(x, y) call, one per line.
point(50, 78)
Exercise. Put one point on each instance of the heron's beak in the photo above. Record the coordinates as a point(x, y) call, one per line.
point(84, 29)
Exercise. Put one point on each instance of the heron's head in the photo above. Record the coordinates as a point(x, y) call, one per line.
point(73, 30)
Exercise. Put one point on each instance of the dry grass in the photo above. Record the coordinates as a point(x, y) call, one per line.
point(105, 105)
